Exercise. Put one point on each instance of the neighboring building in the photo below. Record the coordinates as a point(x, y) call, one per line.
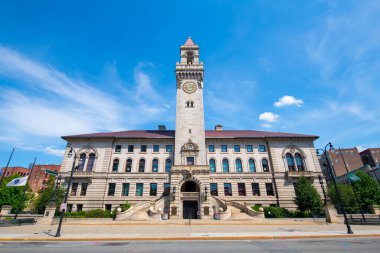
point(38, 178)
point(371, 156)
point(343, 161)
point(189, 164)
point(349, 161)
point(10, 171)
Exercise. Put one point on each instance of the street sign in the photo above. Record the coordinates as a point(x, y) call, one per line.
point(51, 172)
point(63, 206)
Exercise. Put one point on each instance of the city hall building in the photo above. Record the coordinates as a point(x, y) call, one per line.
point(189, 172)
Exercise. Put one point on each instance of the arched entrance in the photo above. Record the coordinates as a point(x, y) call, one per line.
point(190, 194)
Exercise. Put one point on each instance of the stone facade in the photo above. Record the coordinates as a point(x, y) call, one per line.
point(197, 171)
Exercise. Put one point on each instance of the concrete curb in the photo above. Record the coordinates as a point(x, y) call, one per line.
point(198, 238)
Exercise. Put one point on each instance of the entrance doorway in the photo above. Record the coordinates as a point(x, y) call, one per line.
point(190, 209)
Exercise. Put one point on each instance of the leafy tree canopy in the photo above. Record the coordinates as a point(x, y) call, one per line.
point(13, 195)
point(307, 197)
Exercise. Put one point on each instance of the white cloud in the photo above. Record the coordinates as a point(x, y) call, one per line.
point(360, 148)
point(288, 101)
point(266, 125)
point(39, 104)
point(53, 151)
point(269, 117)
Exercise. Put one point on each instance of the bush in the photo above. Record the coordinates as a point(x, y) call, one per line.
point(96, 213)
point(125, 206)
point(280, 212)
point(256, 208)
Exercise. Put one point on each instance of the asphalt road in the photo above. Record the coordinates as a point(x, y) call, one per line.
point(362, 245)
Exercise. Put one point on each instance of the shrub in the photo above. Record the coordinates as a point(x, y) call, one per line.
point(96, 213)
point(256, 208)
point(125, 206)
point(280, 212)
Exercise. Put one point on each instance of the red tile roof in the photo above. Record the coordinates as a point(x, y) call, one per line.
point(170, 134)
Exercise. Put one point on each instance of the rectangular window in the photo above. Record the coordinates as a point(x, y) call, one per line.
point(79, 207)
point(153, 189)
point(255, 189)
point(224, 148)
point(118, 148)
point(214, 189)
point(236, 148)
point(69, 208)
point(262, 148)
point(190, 160)
point(269, 188)
point(74, 189)
point(169, 148)
point(111, 189)
point(139, 189)
point(130, 148)
point(211, 148)
point(241, 189)
point(166, 189)
point(143, 149)
point(227, 189)
point(249, 148)
point(156, 148)
point(83, 190)
point(108, 207)
point(125, 189)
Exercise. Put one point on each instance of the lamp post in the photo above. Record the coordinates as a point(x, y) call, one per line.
point(57, 184)
point(323, 189)
point(206, 193)
point(58, 234)
point(349, 231)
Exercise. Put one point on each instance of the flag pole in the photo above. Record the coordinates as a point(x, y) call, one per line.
point(6, 167)
point(25, 187)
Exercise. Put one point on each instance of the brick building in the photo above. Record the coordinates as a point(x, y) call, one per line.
point(38, 178)
point(371, 156)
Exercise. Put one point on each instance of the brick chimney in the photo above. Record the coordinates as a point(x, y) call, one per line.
point(218, 127)
point(161, 127)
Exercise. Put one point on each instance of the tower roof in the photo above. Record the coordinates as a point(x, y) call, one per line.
point(189, 42)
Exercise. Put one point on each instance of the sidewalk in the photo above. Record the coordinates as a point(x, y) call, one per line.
point(181, 232)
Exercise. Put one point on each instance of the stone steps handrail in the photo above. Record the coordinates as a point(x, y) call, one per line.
point(242, 207)
point(225, 213)
point(156, 208)
point(138, 207)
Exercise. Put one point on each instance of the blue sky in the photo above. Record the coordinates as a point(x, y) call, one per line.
point(70, 67)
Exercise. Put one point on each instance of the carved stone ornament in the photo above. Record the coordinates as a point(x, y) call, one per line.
point(189, 146)
point(200, 84)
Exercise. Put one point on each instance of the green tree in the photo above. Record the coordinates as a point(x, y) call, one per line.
point(45, 196)
point(367, 189)
point(307, 197)
point(13, 195)
point(347, 195)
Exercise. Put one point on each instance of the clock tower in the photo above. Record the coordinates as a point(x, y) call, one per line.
point(190, 147)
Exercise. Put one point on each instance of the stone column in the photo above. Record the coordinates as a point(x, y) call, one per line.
point(5, 210)
point(331, 214)
point(49, 214)
point(374, 209)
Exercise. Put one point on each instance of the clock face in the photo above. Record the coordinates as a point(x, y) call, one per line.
point(189, 87)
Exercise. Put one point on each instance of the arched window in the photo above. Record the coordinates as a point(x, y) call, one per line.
point(190, 57)
point(115, 165)
point(265, 165)
point(141, 165)
point(82, 161)
point(128, 167)
point(168, 165)
point(90, 163)
point(290, 162)
point(299, 162)
point(252, 167)
point(239, 166)
point(155, 165)
point(226, 167)
point(212, 165)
